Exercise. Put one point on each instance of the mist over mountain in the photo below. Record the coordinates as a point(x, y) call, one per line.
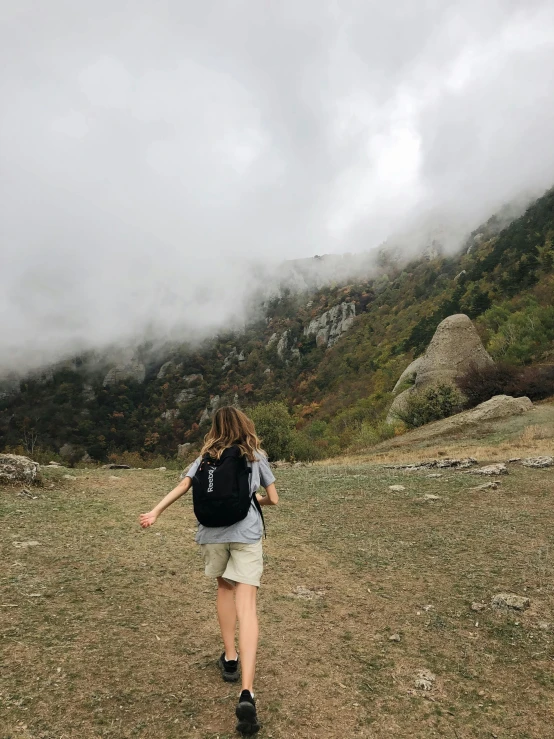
point(159, 163)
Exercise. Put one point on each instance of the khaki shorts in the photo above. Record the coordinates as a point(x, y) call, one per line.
point(234, 562)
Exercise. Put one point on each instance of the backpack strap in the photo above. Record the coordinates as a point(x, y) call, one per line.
point(259, 508)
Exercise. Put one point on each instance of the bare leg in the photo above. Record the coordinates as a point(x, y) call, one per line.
point(227, 616)
point(248, 631)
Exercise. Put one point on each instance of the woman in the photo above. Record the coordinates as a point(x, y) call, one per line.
point(232, 553)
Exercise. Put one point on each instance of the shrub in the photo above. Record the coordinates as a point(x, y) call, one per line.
point(71, 454)
point(274, 426)
point(480, 384)
point(432, 404)
point(371, 434)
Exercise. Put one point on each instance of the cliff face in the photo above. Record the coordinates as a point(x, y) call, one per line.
point(329, 326)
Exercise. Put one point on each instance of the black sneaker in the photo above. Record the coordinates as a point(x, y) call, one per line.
point(246, 714)
point(229, 669)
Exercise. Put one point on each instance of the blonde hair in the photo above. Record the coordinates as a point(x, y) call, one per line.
point(231, 427)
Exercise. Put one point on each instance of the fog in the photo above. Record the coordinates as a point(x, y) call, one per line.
point(159, 161)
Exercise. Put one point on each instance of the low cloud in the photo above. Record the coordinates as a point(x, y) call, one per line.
point(159, 163)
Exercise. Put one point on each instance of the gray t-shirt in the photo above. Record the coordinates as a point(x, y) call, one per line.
point(249, 530)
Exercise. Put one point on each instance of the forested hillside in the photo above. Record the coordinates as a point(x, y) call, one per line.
point(332, 355)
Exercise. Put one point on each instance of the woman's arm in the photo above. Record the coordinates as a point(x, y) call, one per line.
point(147, 519)
point(271, 497)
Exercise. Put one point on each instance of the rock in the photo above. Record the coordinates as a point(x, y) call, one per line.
point(447, 462)
point(476, 606)
point(510, 600)
point(329, 326)
point(54, 464)
point(186, 396)
point(161, 469)
point(512, 460)
point(454, 347)
point(166, 368)
point(272, 339)
point(397, 488)
point(491, 469)
point(487, 486)
point(128, 369)
point(307, 593)
point(112, 466)
point(69, 477)
point(25, 544)
point(267, 371)
point(114, 477)
point(171, 414)
point(286, 346)
point(434, 476)
point(544, 625)
point(16, 468)
point(88, 393)
point(208, 413)
point(230, 358)
point(189, 379)
point(183, 449)
point(394, 637)
point(409, 374)
point(538, 462)
point(428, 496)
point(425, 680)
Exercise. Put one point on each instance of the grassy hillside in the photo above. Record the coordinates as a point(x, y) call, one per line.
point(503, 280)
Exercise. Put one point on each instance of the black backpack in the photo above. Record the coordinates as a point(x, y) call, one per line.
point(221, 489)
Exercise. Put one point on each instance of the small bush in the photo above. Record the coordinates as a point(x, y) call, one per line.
point(371, 434)
point(536, 382)
point(431, 404)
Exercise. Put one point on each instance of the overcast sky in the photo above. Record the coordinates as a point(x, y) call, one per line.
point(151, 151)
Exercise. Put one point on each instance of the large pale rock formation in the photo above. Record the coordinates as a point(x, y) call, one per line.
point(455, 346)
point(16, 468)
point(286, 347)
point(329, 326)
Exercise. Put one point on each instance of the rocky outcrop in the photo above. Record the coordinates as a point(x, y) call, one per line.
point(88, 393)
point(217, 402)
point(329, 326)
point(501, 406)
point(128, 369)
point(232, 357)
point(171, 414)
point(16, 468)
point(186, 395)
point(166, 368)
point(286, 347)
point(454, 347)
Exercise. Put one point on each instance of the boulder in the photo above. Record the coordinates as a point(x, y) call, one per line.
point(329, 326)
point(454, 347)
point(16, 468)
point(505, 601)
point(409, 373)
point(116, 467)
point(286, 346)
point(189, 379)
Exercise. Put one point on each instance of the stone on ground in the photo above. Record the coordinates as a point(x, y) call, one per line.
point(397, 488)
point(510, 600)
point(492, 469)
point(16, 468)
point(538, 462)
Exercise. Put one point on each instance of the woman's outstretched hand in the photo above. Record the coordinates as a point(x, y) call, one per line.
point(147, 519)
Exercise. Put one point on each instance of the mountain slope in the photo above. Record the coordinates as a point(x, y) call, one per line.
point(331, 354)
